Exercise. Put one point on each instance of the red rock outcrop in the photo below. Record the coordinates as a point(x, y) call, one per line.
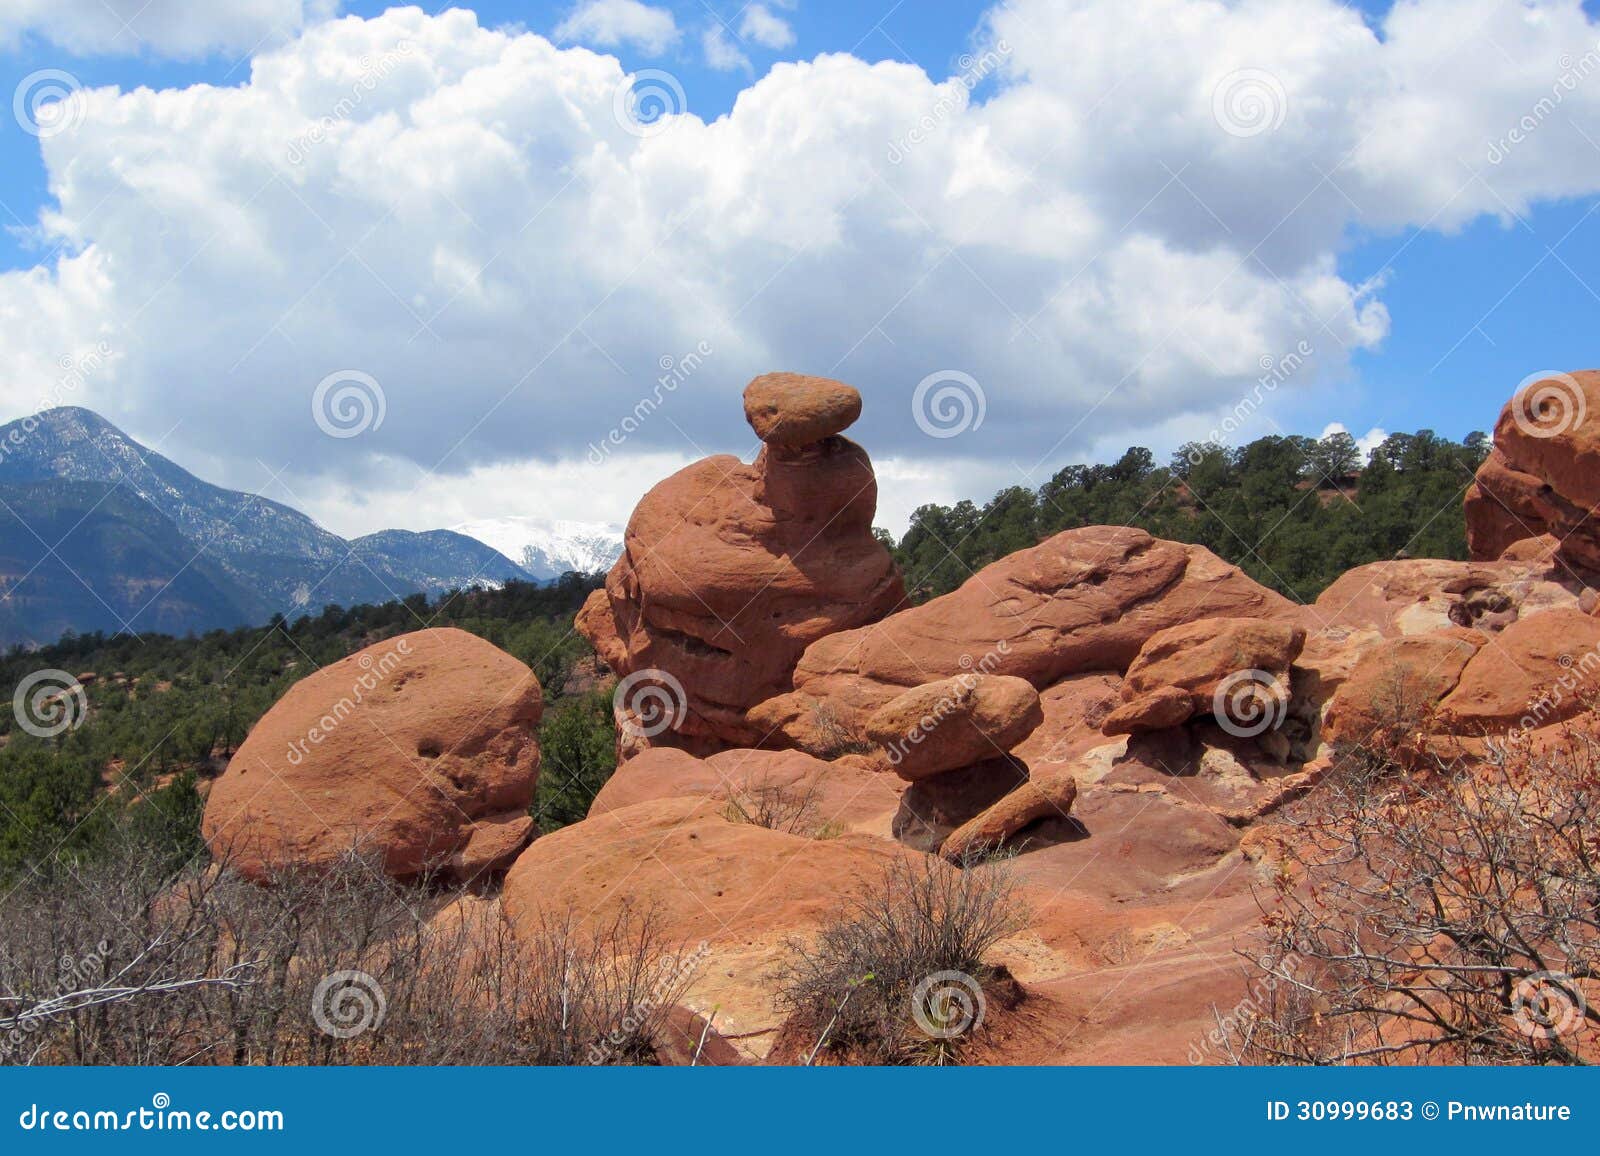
point(1074, 710)
point(1422, 595)
point(730, 571)
point(932, 809)
point(1084, 600)
point(1041, 797)
point(1154, 710)
point(1464, 684)
point(950, 740)
point(953, 723)
point(741, 890)
point(1183, 670)
point(788, 789)
point(421, 751)
point(1543, 475)
point(1398, 682)
point(1537, 672)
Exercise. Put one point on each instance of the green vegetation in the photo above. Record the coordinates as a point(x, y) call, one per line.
point(1292, 512)
point(577, 742)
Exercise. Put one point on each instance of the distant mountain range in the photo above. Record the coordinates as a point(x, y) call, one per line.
point(98, 532)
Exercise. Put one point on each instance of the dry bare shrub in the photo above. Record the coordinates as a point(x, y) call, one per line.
point(787, 807)
point(835, 737)
point(1448, 915)
point(344, 966)
point(599, 993)
point(897, 975)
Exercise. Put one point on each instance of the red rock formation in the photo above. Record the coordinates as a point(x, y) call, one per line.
point(1085, 600)
point(1417, 596)
point(1543, 475)
point(741, 890)
point(1041, 797)
point(421, 750)
point(1398, 682)
point(1537, 672)
point(793, 410)
point(933, 808)
point(950, 724)
point(1181, 670)
point(730, 571)
point(1074, 710)
point(800, 794)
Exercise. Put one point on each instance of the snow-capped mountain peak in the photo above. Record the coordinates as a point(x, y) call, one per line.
point(549, 548)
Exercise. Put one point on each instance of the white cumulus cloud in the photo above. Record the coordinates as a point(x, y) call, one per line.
point(612, 23)
point(721, 53)
point(1118, 232)
point(760, 23)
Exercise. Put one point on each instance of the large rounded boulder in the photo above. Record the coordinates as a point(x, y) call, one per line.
point(420, 752)
point(794, 410)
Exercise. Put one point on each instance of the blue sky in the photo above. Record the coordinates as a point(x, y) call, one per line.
point(1430, 279)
